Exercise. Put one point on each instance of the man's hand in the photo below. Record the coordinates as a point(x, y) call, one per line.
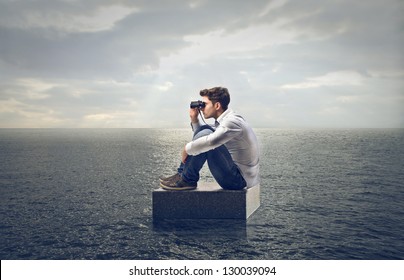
point(184, 155)
point(193, 114)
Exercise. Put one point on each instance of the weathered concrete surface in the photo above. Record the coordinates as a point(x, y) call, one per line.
point(208, 201)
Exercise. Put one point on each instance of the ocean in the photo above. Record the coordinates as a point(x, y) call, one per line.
point(86, 194)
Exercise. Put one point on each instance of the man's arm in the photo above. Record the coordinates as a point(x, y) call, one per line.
point(193, 114)
point(222, 135)
point(184, 155)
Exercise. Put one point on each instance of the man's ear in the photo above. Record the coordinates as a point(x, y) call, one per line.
point(218, 106)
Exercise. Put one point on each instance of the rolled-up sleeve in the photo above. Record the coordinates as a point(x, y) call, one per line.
point(195, 126)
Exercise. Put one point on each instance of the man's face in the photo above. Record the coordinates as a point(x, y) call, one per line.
point(209, 111)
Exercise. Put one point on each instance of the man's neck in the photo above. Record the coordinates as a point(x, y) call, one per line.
point(219, 113)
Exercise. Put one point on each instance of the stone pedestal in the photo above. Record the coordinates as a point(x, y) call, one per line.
point(208, 201)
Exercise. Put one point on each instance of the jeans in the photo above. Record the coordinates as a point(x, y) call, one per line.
point(220, 163)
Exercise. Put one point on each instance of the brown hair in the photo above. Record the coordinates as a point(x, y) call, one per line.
point(217, 94)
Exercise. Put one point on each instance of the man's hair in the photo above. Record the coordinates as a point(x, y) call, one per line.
point(217, 94)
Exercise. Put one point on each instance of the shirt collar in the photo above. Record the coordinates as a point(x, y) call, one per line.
point(224, 114)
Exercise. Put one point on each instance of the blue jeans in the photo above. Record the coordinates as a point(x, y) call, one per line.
point(220, 162)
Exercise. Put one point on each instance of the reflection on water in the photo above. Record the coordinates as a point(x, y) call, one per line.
point(204, 228)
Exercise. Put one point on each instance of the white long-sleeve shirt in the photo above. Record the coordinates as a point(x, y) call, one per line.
point(240, 140)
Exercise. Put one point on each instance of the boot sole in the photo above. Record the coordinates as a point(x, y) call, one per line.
point(177, 188)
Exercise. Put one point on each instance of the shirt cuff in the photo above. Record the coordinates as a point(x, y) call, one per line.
point(195, 126)
point(188, 148)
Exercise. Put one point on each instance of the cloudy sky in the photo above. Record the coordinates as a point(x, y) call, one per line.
point(286, 63)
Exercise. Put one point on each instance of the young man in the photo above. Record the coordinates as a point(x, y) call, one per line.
point(231, 148)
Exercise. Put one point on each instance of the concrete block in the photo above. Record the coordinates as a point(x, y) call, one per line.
point(208, 201)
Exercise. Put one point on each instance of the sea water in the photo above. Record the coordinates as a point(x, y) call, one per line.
point(86, 194)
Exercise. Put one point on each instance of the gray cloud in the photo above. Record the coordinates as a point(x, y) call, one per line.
point(38, 37)
point(112, 63)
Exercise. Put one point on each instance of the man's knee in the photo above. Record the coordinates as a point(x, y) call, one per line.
point(203, 131)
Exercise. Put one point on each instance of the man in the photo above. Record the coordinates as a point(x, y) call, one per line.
point(231, 148)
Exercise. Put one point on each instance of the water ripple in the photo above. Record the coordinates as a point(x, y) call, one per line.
point(86, 194)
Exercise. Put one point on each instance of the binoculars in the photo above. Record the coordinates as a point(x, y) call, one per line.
point(197, 104)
